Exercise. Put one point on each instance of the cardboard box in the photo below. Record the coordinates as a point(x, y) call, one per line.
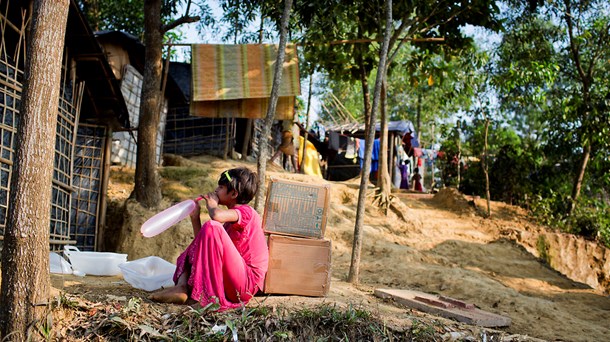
point(296, 208)
point(298, 266)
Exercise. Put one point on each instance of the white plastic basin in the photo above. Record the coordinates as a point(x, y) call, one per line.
point(95, 263)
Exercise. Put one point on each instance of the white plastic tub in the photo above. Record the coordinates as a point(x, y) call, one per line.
point(59, 265)
point(94, 263)
point(149, 274)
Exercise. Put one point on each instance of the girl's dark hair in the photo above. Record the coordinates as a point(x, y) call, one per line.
point(242, 180)
point(416, 170)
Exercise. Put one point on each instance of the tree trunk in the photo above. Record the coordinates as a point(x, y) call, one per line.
point(579, 178)
point(147, 184)
point(306, 134)
point(486, 169)
point(585, 76)
point(354, 269)
point(366, 98)
point(383, 176)
point(259, 202)
point(459, 152)
point(247, 138)
point(25, 255)
point(418, 116)
point(228, 125)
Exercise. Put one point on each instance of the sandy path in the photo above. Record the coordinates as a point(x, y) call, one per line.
point(461, 255)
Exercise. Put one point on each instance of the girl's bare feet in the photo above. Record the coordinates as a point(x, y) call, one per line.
point(173, 295)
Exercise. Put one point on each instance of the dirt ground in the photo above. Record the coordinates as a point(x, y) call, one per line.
point(438, 244)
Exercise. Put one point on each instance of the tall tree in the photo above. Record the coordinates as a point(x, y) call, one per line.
point(25, 261)
point(354, 270)
point(479, 82)
point(575, 34)
point(587, 58)
point(275, 91)
point(147, 187)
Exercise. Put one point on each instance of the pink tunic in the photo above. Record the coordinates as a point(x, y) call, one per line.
point(227, 263)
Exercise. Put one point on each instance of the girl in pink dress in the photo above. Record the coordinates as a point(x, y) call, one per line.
point(227, 261)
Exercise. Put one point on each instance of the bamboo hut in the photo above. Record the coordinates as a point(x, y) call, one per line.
point(90, 109)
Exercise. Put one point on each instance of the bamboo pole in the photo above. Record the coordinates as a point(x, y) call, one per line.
point(100, 229)
point(344, 108)
point(353, 41)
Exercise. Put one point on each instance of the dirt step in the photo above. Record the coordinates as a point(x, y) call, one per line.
point(411, 195)
point(444, 307)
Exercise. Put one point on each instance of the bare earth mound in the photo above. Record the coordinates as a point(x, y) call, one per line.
point(438, 245)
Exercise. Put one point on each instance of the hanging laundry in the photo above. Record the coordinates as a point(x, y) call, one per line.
point(396, 177)
point(374, 154)
point(400, 154)
point(414, 141)
point(429, 154)
point(417, 152)
point(334, 141)
point(312, 160)
point(350, 150)
point(406, 141)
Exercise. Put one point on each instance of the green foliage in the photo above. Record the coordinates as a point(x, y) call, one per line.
point(591, 219)
point(549, 210)
point(340, 99)
point(323, 21)
point(120, 15)
point(554, 98)
point(507, 175)
point(128, 16)
point(421, 332)
point(551, 76)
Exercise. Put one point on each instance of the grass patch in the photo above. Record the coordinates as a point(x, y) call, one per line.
point(325, 322)
point(122, 175)
point(181, 173)
point(181, 182)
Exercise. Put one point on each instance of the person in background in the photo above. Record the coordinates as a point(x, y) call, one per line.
point(227, 261)
point(416, 180)
point(404, 174)
point(289, 144)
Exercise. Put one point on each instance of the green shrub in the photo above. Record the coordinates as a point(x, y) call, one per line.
point(590, 219)
point(550, 210)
